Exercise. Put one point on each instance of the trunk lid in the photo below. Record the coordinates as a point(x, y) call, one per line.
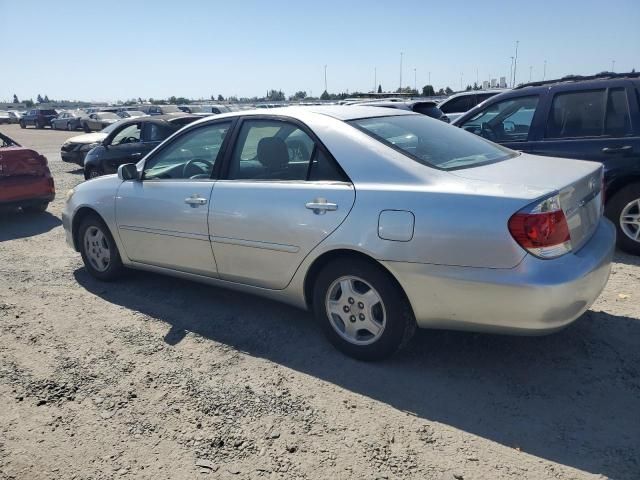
point(578, 183)
point(18, 161)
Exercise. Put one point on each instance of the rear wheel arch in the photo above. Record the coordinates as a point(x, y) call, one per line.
point(328, 257)
point(614, 187)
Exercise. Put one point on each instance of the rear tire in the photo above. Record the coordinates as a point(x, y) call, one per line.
point(624, 211)
point(69, 126)
point(35, 207)
point(362, 310)
point(23, 125)
point(86, 128)
point(98, 249)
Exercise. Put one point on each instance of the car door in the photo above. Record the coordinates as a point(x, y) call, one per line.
point(590, 123)
point(163, 217)
point(281, 195)
point(122, 146)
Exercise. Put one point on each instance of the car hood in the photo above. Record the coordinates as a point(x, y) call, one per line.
point(88, 138)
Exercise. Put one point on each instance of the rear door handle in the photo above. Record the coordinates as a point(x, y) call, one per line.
point(623, 149)
point(320, 206)
point(195, 200)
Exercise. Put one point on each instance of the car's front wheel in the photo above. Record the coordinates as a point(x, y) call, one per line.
point(86, 128)
point(91, 172)
point(362, 310)
point(624, 210)
point(23, 125)
point(98, 249)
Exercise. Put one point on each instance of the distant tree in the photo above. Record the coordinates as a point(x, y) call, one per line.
point(172, 99)
point(428, 91)
point(441, 92)
point(15, 98)
point(140, 100)
point(275, 95)
point(40, 99)
point(46, 99)
point(476, 86)
point(300, 95)
point(469, 87)
point(380, 88)
point(325, 96)
point(28, 103)
point(448, 91)
point(220, 98)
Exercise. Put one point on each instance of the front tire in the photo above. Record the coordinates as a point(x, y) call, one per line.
point(98, 249)
point(86, 128)
point(362, 310)
point(624, 211)
point(91, 172)
point(23, 125)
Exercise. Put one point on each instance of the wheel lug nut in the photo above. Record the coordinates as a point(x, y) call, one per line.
point(346, 309)
point(351, 301)
point(352, 318)
point(361, 316)
point(360, 305)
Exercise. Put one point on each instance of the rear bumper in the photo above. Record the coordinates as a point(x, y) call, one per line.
point(23, 190)
point(536, 297)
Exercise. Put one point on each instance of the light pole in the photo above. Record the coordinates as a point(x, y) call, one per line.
point(613, 65)
point(461, 75)
point(429, 78)
point(510, 70)
point(515, 65)
point(530, 72)
point(325, 79)
point(544, 71)
point(375, 79)
point(415, 80)
point(401, 54)
point(477, 77)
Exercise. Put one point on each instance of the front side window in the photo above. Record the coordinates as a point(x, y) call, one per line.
point(190, 156)
point(279, 150)
point(129, 134)
point(577, 114)
point(155, 132)
point(431, 142)
point(505, 121)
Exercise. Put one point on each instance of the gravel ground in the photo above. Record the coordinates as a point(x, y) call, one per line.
point(161, 378)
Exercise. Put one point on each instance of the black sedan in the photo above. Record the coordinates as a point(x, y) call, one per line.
point(130, 141)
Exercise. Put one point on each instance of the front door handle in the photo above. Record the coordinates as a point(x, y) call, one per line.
point(320, 206)
point(194, 200)
point(623, 149)
point(138, 154)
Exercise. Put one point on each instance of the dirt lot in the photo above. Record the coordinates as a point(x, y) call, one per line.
point(161, 378)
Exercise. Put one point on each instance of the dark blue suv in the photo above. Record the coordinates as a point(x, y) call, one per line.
point(593, 118)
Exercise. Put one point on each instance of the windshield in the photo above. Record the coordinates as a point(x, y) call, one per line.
point(432, 142)
point(110, 128)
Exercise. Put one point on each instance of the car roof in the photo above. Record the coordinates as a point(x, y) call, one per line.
point(475, 92)
point(580, 79)
point(157, 119)
point(349, 112)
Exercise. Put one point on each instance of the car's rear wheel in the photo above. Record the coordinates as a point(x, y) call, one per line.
point(362, 310)
point(69, 126)
point(35, 207)
point(624, 210)
point(23, 125)
point(98, 249)
point(85, 127)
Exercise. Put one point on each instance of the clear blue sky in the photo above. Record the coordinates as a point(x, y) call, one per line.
point(117, 49)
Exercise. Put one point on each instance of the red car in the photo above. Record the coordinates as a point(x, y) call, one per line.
point(25, 179)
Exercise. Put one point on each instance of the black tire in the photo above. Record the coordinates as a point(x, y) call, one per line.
point(85, 127)
point(613, 211)
point(69, 126)
point(23, 125)
point(92, 172)
point(115, 269)
point(39, 125)
point(35, 207)
point(400, 322)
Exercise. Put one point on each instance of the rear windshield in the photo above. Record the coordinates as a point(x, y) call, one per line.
point(432, 142)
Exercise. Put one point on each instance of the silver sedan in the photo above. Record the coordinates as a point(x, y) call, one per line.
point(378, 221)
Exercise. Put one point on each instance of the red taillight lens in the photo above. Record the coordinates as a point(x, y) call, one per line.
point(545, 234)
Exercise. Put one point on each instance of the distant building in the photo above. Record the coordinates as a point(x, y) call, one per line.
point(485, 84)
point(503, 82)
point(494, 82)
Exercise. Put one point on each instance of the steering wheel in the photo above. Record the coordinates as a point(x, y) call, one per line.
point(486, 131)
point(196, 165)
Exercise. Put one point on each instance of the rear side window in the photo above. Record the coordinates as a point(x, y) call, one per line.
point(618, 121)
point(577, 114)
point(458, 105)
point(428, 109)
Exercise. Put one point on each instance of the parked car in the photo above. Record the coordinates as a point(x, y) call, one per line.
point(161, 110)
point(588, 118)
point(204, 110)
point(75, 149)
point(14, 116)
point(4, 117)
point(38, 117)
point(98, 121)
point(456, 105)
point(376, 220)
point(68, 120)
point(25, 179)
point(130, 141)
point(428, 108)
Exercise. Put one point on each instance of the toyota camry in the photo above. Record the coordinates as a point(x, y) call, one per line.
point(377, 221)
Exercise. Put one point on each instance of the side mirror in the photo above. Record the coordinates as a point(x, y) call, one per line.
point(128, 171)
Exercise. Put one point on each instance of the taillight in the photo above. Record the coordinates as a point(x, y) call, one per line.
point(542, 229)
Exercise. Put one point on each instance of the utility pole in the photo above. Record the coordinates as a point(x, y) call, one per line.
point(477, 78)
point(401, 54)
point(415, 80)
point(515, 64)
point(375, 79)
point(544, 71)
point(461, 75)
point(325, 79)
point(613, 65)
point(429, 78)
point(530, 72)
point(511, 70)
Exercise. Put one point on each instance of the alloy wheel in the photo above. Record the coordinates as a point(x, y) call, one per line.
point(97, 248)
point(355, 310)
point(630, 220)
